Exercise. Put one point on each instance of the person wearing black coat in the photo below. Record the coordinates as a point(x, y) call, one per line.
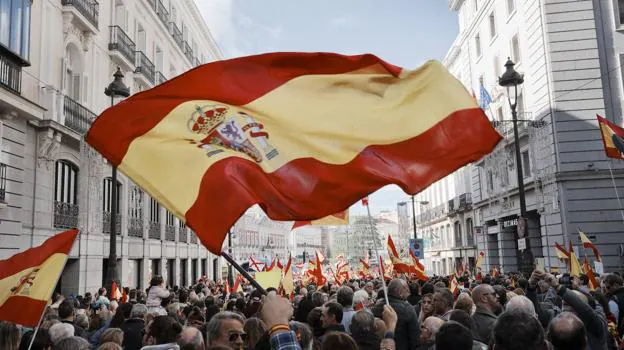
point(407, 333)
point(133, 328)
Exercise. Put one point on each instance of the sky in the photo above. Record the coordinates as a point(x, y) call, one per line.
point(406, 33)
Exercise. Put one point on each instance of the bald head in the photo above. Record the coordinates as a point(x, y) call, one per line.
point(481, 291)
point(522, 304)
point(398, 288)
point(567, 331)
point(433, 324)
point(193, 337)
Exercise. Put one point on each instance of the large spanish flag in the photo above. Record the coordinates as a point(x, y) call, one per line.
point(612, 138)
point(28, 279)
point(304, 135)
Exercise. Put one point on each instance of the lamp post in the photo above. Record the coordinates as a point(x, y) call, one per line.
point(414, 201)
point(116, 88)
point(511, 79)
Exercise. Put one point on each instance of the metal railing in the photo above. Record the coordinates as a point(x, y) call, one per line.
point(160, 78)
point(183, 234)
point(3, 182)
point(10, 74)
point(106, 222)
point(188, 52)
point(77, 116)
point(170, 233)
point(154, 230)
point(135, 227)
point(176, 33)
point(66, 215)
point(162, 12)
point(433, 213)
point(193, 237)
point(460, 203)
point(120, 41)
point(88, 8)
point(144, 66)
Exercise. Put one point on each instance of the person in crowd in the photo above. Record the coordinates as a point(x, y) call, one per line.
point(315, 321)
point(112, 307)
point(442, 302)
point(112, 335)
point(487, 306)
point(67, 312)
point(109, 346)
point(514, 330)
point(407, 334)
point(155, 295)
point(123, 313)
point(255, 329)
point(133, 328)
point(61, 331)
point(428, 330)
point(567, 332)
point(453, 336)
point(463, 318)
point(9, 336)
point(331, 318)
point(132, 296)
point(338, 340)
point(426, 307)
point(303, 334)
point(82, 320)
point(162, 334)
point(613, 286)
point(42, 340)
point(226, 329)
point(522, 304)
point(344, 297)
point(191, 339)
point(360, 300)
point(196, 318)
point(501, 294)
point(464, 302)
point(362, 330)
point(72, 343)
point(101, 296)
point(414, 297)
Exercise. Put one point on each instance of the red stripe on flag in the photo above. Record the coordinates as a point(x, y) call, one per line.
point(412, 164)
point(59, 243)
point(236, 82)
point(22, 310)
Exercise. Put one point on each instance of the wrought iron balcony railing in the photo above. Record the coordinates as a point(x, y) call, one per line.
point(77, 116)
point(90, 9)
point(162, 12)
point(160, 78)
point(176, 33)
point(154, 230)
point(10, 74)
point(106, 222)
point(170, 233)
point(120, 41)
point(135, 227)
point(65, 215)
point(188, 52)
point(144, 66)
point(183, 234)
point(193, 237)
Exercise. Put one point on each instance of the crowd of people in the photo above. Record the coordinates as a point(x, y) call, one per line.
point(506, 312)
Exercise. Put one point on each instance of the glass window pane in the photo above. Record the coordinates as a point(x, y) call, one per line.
point(15, 40)
point(5, 22)
point(25, 53)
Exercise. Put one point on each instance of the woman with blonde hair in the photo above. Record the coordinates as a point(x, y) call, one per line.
point(426, 308)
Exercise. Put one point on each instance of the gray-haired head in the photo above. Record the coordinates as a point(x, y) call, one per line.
point(396, 288)
point(214, 326)
point(522, 304)
point(138, 311)
point(362, 323)
point(360, 297)
point(72, 343)
point(191, 335)
point(60, 331)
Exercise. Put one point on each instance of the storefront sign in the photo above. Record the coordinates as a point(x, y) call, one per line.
point(522, 244)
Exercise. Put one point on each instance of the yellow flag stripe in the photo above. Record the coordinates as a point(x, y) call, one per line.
point(42, 283)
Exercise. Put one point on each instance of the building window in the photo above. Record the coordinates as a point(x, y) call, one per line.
point(15, 26)
point(65, 195)
point(489, 179)
point(526, 164)
point(469, 232)
point(458, 234)
point(511, 6)
point(154, 211)
point(108, 195)
point(621, 11)
point(520, 104)
point(135, 213)
point(478, 44)
point(499, 114)
point(497, 67)
point(174, 14)
point(515, 49)
point(492, 25)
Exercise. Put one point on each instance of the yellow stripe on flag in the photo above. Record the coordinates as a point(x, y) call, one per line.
point(42, 282)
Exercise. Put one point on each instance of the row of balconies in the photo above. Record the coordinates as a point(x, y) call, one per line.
point(66, 215)
point(461, 203)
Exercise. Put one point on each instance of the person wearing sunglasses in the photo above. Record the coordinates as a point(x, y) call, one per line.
point(226, 328)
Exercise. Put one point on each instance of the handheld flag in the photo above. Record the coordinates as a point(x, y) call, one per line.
point(480, 260)
point(588, 244)
point(285, 130)
point(486, 99)
point(28, 279)
point(612, 138)
point(561, 252)
point(575, 266)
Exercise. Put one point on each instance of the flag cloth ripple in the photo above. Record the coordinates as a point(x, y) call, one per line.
point(304, 135)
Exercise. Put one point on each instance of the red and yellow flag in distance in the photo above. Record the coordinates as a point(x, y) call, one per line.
point(612, 138)
point(304, 135)
point(28, 279)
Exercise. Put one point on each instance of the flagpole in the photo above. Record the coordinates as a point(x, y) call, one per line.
point(242, 271)
point(383, 278)
point(617, 195)
point(58, 277)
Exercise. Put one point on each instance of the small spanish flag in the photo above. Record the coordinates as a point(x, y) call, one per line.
point(303, 135)
point(612, 138)
point(28, 279)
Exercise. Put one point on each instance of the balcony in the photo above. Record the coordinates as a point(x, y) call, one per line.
point(170, 233)
point(77, 116)
point(176, 33)
point(154, 230)
point(193, 238)
point(162, 12)
point(85, 14)
point(135, 227)
point(106, 223)
point(433, 213)
point(460, 204)
point(121, 48)
point(144, 68)
point(160, 78)
point(65, 215)
point(10, 74)
point(188, 52)
point(183, 234)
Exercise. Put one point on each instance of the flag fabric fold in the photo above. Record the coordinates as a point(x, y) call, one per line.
point(562, 253)
point(28, 279)
point(285, 131)
point(575, 266)
point(612, 138)
point(337, 219)
point(587, 243)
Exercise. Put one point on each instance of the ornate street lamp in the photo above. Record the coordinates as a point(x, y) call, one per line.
point(116, 88)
